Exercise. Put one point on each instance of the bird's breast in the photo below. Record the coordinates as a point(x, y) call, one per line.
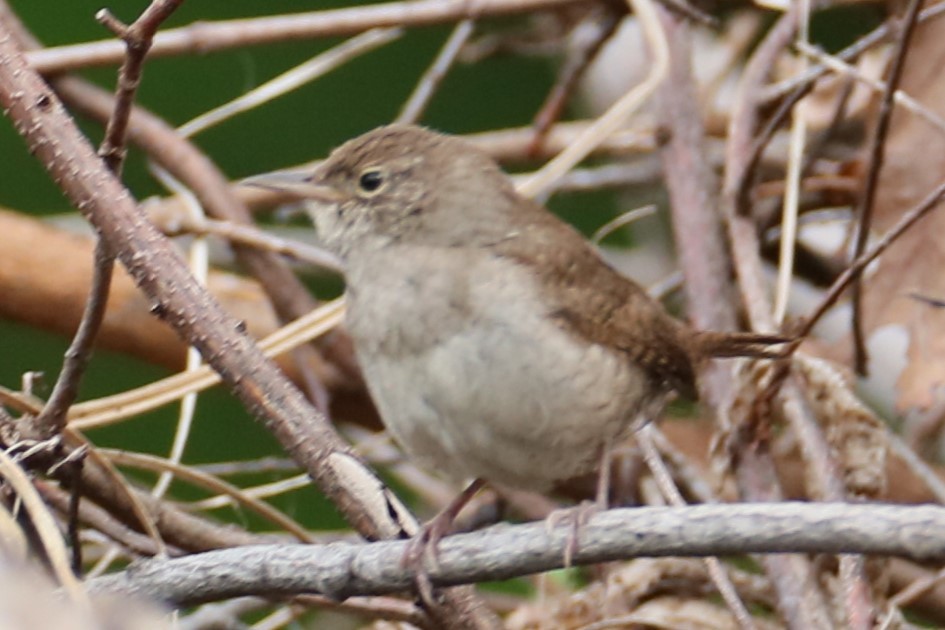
point(474, 378)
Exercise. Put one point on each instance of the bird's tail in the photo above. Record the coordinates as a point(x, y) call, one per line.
point(741, 344)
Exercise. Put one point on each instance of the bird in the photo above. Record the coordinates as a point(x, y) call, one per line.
point(495, 341)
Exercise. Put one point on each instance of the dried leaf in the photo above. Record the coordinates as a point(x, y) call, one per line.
point(914, 164)
point(856, 436)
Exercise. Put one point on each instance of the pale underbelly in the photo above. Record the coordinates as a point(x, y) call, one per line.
point(522, 405)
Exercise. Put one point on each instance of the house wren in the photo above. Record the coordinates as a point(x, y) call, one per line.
point(495, 341)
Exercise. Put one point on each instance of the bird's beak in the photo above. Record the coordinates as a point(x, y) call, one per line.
point(296, 183)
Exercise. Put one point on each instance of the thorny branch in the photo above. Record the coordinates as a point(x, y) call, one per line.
point(137, 39)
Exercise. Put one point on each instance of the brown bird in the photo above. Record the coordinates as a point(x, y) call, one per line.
point(495, 341)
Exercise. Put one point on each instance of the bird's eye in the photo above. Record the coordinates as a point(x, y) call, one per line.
point(371, 180)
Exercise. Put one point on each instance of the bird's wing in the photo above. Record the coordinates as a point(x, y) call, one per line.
point(592, 300)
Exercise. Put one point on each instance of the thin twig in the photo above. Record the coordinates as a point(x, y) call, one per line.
point(208, 37)
point(251, 466)
point(614, 117)
point(198, 259)
point(52, 418)
point(741, 156)
point(917, 589)
point(255, 237)
point(873, 38)
point(825, 482)
point(877, 155)
point(46, 529)
point(99, 519)
point(298, 76)
point(431, 79)
point(208, 482)
point(261, 491)
point(693, 194)
point(143, 516)
point(667, 486)
point(137, 39)
point(799, 597)
point(589, 37)
point(110, 409)
point(906, 221)
point(386, 608)
point(622, 220)
point(72, 517)
point(792, 185)
point(901, 98)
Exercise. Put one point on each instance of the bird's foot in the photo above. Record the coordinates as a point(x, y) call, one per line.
point(577, 517)
point(425, 543)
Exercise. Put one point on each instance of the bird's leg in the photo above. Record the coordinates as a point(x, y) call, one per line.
point(602, 497)
point(582, 513)
point(428, 538)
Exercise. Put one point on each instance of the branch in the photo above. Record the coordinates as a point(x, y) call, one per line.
point(206, 37)
point(906, 221)
point(691, 184)
point(52, 419)
point(181, 158)
point(341, 570)
point(799, 596)
point(864, 209)
point(137, 39)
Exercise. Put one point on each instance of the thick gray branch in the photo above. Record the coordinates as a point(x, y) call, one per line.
point(505, 551)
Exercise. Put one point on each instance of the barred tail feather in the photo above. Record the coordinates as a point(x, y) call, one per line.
point(739, 344)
